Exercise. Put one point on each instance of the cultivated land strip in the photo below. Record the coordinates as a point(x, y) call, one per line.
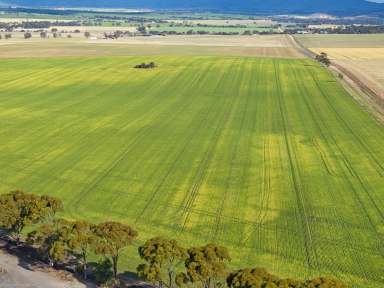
point(359, 58)
point(270, 157)
point(255, 46)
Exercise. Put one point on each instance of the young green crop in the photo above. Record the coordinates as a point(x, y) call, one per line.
point(268, 157)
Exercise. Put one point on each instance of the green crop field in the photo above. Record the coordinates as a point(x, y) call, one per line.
point(269, 157)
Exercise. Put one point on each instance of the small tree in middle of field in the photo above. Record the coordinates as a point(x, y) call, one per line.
point(323, 58)
point(27, 35)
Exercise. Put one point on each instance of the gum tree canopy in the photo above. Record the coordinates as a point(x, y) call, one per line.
point(163, 257)
point(18, 209)
point(112, 237)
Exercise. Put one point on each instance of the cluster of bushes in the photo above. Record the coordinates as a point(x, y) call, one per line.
point(54, 34)
point(27, 35)
point(166, 263)
point(150, 65)
point(323, 58)
point(117, 34)
point(6, 36)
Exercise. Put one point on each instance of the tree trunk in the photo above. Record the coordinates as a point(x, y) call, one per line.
point(51, 263)
point(170, 279)
point(85, 271)
point(17, 235)
point(209, 283)
point(84, 266)
point(114, 262)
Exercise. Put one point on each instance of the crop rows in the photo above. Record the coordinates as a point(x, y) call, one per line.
point(269, 157)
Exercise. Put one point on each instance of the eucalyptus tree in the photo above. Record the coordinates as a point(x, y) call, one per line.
point(19, 209)
point(80, 241)
point(51, 240)
point(112, 237)
point(164, 258)
point(206, 266)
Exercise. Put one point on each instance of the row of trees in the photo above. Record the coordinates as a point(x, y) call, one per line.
point(166, 263)
point(44, 35)
point(58, 239)
point(142, 30)
point(10, 26)
point(28, 35)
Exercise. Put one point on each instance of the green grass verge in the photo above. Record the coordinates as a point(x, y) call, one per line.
point(269, 157)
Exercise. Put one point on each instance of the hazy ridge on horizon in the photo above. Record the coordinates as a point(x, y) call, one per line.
point(343, 7)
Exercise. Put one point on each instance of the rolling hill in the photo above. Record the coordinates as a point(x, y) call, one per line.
point(351, 7)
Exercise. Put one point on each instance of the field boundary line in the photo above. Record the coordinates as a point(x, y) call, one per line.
point(357, 85)
point(363, 95)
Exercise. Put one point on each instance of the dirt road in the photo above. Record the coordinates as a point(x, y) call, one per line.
point(14, 274)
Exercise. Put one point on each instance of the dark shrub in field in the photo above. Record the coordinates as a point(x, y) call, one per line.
point(150, 65)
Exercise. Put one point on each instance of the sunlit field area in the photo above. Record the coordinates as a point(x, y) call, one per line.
point(269, 157)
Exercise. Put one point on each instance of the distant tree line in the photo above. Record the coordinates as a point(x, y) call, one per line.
point(349, 29)
point(205, 32)
point(146, 30)
point(36, 24)
point(166, 263)
point(361, 20)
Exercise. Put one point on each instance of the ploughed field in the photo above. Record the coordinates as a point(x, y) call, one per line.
point(269, 157)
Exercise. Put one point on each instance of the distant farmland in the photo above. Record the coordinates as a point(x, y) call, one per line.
point(269, 157)
point(361, 55)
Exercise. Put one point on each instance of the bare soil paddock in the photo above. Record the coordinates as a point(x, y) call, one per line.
point(78, 45)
